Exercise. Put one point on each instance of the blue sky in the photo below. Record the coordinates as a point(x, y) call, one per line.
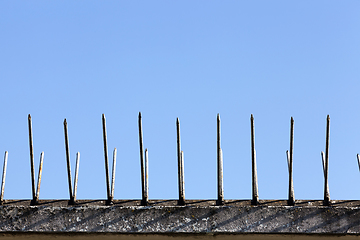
point(186, 59)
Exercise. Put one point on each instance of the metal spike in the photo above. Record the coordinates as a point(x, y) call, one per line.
point(146, 176)
point(3, 177)
point(39, 177)
point(71, 201)
point(181, 200)
point(220, 200)
point(288, 159)
point(326, 188)
point(76, 175)
point(143, 200)
point(113, 174)
point(106, 160)
point(291, 199)
point(32, 159)
point(323, 162)
point(255, 195)
point(358, 159)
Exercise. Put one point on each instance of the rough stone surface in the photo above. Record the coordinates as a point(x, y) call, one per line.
point(233, 217)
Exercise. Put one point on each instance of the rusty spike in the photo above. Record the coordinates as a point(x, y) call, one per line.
point(39, 177)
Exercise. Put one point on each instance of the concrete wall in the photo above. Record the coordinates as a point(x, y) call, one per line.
point(128, 236)
point(342, 217)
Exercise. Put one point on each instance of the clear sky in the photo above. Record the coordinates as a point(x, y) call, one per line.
point(186, 59)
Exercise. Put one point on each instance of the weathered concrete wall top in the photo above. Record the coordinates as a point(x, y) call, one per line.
point(201, 216)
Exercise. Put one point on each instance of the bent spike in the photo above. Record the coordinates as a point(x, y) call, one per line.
point(3, 177)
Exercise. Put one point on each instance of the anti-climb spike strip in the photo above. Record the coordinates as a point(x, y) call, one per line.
point(220, 200)
point(35, 194)
point(326, 163)
point(291, 198)
point(72, 200)
point(180, 159)
point(3, 177)
point(255, 194)
point(180, 154)
point(144, 200)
